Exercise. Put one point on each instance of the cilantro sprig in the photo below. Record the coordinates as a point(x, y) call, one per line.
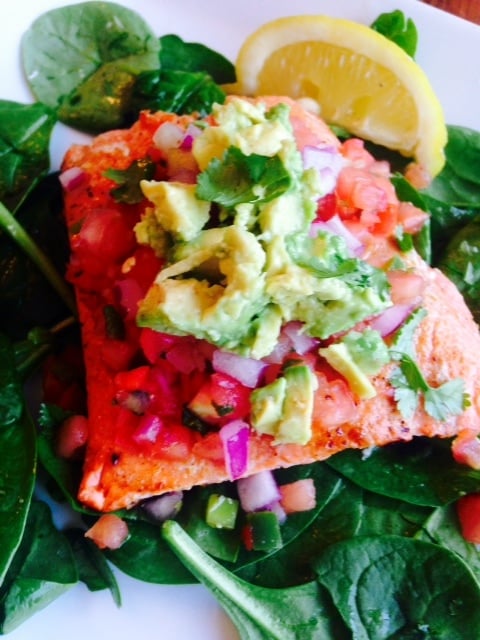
point(448, 399)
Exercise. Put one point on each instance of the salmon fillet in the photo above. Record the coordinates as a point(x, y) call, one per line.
point(120, 472)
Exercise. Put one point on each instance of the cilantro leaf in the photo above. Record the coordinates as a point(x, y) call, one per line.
point(237, 178)
point(129, 191)
point(448, 399)
point(403, 342)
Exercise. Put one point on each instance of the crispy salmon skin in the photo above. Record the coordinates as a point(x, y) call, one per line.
point(130, 458)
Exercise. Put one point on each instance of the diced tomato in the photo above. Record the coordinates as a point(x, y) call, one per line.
point(108, 532)
point(117, 354)
point(407, 287)
point(326, 207)
point(221, 399)
point(354, 150)
point(247, 537)
point(410, 217)
point(137, 379)
point(468, 510)
point(143, 266)
point(466, 448)
point(72, 436)
point(176, 441)
point(155, 343)
point(106, 236)
point(417, 175)
point(298, 496)
point(211, 448)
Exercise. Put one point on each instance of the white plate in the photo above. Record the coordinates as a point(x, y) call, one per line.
point(449, 51)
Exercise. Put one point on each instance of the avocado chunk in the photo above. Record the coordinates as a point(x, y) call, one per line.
point(267, 406)
point(296, 424)
point(176, 207)
point(284, 408)
point(218, 309)
point(339, 357)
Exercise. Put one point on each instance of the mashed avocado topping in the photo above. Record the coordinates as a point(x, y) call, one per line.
point(240, 253)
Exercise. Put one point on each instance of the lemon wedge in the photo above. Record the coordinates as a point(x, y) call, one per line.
point(358, 78)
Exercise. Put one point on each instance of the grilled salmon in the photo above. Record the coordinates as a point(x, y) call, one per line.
point(147, 435)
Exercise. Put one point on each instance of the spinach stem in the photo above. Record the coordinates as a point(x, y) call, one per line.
point(43, 262)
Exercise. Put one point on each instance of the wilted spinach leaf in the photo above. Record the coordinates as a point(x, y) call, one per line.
point(83, 60)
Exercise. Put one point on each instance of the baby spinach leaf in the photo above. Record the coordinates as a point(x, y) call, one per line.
point(426, 591)
point(66, 474)
point(461, 263)
point(17, 457)
point(259, 613)
point(178, 55)
point(146, 556)
point(443, 528)
point(223, 544)
point(42, 570)
point(93, 569)
point(25, 131)
point(175, 91)
point(459, 183)
point(238, 178)
point(350, 512)
point(83, 60)
point(297, 525)
point(399, 29)
point(421, 472)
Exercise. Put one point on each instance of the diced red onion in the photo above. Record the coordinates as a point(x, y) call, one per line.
point(391, 318)
point(280, 351)
point(258, 491)
point(235, 438)
point(245, 370)
point(191, 133)
point(327, 161)
point(278, 510)
point(164, 507)
point(335, 225)
point(168, 136)
point(301, 342)
point(72, 178)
